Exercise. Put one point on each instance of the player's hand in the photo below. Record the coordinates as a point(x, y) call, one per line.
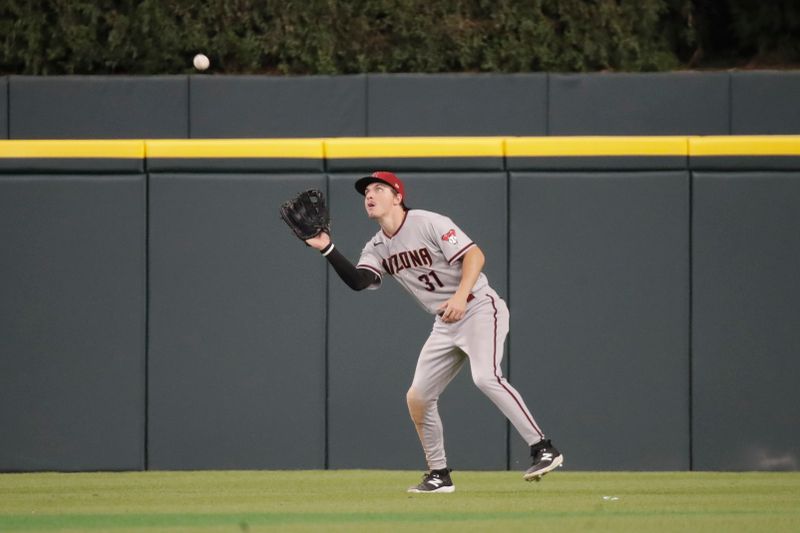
point(320, 241)
point(453, 309)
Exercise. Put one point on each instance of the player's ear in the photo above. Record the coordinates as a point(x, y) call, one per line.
point(398, 199)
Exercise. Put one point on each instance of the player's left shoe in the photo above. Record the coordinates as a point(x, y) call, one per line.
point(546, 457)
point(435, 481)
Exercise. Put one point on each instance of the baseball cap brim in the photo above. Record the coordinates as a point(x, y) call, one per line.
point(363, 183)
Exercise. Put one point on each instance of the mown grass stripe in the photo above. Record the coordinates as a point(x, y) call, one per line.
point(113, 521)
point(367, 501)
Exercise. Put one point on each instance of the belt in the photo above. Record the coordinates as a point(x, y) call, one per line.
point(469, 299)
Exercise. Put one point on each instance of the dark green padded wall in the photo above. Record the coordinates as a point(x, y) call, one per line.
point(72, 322)
point(277, 106)
point(745, 339)
point(639, 104)
point(237, 326)
point(98, 107)
point(457, 104)
point(599, 266)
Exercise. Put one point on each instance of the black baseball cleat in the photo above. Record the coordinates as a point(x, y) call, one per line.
point(435, 481)
point(545, 458)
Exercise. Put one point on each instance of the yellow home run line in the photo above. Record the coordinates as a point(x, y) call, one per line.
point(371, 147)
point(112, 149)
point(235, 148)
point(750, 145)
point(408, 147)
point(596, 146)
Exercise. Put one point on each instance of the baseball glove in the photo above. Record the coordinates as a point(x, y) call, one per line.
point(306, 214)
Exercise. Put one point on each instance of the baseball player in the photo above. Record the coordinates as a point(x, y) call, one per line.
point(440, 266)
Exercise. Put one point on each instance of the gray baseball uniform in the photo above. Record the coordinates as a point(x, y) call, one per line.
point(424, 257)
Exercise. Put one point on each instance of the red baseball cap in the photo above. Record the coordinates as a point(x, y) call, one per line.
point(383, 176)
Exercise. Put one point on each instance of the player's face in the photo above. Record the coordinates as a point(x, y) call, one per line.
point(379, 199)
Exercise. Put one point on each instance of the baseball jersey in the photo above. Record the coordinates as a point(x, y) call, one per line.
point(423, 256)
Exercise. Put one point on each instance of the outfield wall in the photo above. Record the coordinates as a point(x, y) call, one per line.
point(156, 313)
point(376, 105)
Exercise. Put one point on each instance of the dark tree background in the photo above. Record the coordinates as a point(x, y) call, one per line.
point(41, 37)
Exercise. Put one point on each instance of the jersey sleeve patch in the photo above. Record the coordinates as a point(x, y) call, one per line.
point(451, 237)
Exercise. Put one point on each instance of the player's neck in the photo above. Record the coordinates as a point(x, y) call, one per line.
point(392, 221)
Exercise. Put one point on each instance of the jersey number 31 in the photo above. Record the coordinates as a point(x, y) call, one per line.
point(426, 279)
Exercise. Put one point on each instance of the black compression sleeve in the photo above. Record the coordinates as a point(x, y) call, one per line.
point(356, 278)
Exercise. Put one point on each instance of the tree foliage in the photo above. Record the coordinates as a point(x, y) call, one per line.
point(41, 37)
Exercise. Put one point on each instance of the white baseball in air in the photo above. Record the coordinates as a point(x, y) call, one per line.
point(201, 62)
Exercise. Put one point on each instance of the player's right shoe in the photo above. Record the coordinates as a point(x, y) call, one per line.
point(546, 457)
point(435, 481)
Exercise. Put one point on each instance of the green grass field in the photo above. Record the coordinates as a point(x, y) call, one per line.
point(369, 500)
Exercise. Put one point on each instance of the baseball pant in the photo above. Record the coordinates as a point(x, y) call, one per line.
point(479, 337)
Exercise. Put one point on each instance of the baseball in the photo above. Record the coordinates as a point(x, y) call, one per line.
point(201, 62)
